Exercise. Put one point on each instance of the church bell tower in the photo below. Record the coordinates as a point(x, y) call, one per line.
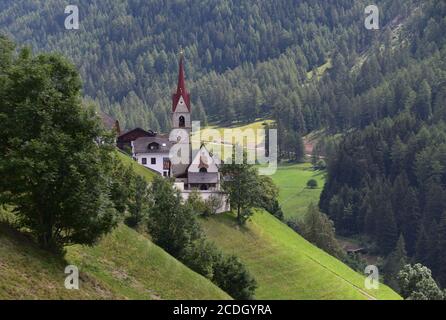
point(181, 119)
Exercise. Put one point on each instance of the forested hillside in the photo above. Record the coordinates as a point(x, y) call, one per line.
point(387, 178)
point(243, 60)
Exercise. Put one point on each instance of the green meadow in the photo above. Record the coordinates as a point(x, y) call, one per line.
point(294, 195)
point(285, 265)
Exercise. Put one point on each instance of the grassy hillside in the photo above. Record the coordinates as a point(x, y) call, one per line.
point(139, 169)
point(123, 265)
point(138, 269)
point(284, 264)
point(294, 196)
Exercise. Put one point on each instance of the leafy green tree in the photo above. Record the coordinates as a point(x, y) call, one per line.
point(139, 205)
point(242, 184)
point(55, 157)
point(201, 256)
point(268, 194)
point(416, 283)
point(319, 230)
point(196, 202)
point(212, 204)
point(232, 276)
point(172, 225)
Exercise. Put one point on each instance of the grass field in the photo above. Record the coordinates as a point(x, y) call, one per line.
point(284, 264)
point(123, 265)
point(294, 196)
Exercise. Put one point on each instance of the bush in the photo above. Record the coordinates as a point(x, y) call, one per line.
point(196, 203)
point(320, 165)
point(232, 276)
point(312, 184)
point(212, 204)
point(200, 256)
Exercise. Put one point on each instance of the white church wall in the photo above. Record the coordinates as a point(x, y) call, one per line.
point(159, 160)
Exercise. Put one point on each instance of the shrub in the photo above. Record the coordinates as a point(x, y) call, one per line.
point(312, 184)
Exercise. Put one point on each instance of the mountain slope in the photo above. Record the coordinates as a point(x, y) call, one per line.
point(123, 265)
point(244, 58)
point(284, 264)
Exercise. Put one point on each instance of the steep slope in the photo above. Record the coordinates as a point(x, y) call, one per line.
point(284, 264)
point(138, 269)
point(123, 265)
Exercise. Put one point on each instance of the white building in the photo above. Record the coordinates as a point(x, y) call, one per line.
point(153, 153)
point(201, 170)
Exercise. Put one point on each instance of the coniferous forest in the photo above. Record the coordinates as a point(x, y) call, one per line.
point(308, 65)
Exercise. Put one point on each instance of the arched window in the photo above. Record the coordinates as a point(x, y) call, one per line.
point(182, 122)
point(203, 169)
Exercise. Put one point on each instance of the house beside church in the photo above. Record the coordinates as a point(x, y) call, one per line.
point(199, 172)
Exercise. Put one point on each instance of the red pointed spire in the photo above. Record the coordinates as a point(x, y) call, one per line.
point(181, 88)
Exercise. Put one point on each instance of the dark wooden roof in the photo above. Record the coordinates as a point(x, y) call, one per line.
point(134, 134)
point(141, 145)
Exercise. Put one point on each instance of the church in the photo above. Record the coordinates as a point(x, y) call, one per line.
point(199, 171)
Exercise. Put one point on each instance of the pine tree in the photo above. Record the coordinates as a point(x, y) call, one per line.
point(441, 245)
point(423, 101)
point(395, 262)
point(387, 229)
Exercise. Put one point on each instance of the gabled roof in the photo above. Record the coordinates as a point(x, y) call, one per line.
point(203, 159)
point(181, 89)
point(134, 134)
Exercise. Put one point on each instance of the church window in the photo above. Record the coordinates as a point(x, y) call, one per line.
point(203, 170)
point(153, 160)
point(144, 161)
point(182, 122)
